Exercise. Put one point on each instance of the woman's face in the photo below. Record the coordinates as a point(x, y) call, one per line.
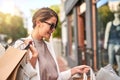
point(47, 27)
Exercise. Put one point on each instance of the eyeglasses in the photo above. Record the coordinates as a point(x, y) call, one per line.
point(51, 25)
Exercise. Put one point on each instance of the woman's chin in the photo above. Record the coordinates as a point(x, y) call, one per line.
point(47, 38)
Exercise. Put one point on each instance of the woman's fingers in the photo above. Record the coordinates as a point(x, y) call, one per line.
point(28, 41)
point(31, 47)
point(84, 68)
point(34, 51)
point(80, 69)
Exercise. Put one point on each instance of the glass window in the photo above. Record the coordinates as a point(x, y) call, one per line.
point(71, 34)
point(108, 28)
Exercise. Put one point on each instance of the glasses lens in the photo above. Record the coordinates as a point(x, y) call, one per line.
point(52, 26)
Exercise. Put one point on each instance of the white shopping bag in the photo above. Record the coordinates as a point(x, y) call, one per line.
point(92, 75)
point(107, 73)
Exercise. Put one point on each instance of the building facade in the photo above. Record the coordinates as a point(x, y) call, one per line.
point(85, 32)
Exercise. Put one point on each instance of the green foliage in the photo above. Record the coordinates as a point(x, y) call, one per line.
point(57, 33)
point(55, 8)
point(105, 14)
point(12, 26)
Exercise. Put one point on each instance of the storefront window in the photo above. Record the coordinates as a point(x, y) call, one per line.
point(109, 34)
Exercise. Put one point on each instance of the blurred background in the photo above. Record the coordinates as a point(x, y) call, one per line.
point(79, 37)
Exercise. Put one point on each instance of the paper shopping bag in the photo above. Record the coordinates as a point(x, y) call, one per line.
point(107, 73)
point(9, 63)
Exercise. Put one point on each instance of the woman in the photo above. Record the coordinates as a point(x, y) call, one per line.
point(40, 62)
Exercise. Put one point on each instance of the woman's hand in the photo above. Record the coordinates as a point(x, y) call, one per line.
point(80, 69)
point(31, 47)
point(33, 51)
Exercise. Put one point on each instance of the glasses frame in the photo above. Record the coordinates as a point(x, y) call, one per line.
point(51, 25)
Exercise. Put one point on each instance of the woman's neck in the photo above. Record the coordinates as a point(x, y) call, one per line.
point(35, 35)
point(116, 20)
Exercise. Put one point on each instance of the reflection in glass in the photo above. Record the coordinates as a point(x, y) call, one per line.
point(109, 34)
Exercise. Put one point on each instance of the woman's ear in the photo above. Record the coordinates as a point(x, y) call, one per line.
point(38, 23)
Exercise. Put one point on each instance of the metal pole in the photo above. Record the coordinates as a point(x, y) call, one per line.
point(89, 37)
point(94, 34)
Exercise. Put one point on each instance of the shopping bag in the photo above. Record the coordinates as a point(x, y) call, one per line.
point(107, 73)
point(92, 75)
point(85, 76)
point(10, 62)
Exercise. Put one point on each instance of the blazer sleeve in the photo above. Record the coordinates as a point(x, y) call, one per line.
point(65, 75)
point(26, 71)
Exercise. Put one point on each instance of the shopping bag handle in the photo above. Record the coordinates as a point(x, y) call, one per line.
point(92, 75)
point(27, 46)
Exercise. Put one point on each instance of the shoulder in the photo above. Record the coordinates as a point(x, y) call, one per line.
point(17, 43)
point(109, 23)
point(20, 42)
